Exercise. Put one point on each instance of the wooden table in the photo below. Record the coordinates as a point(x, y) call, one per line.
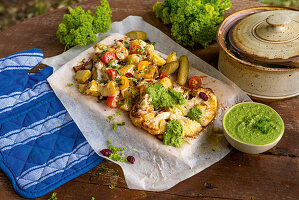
point(270, 175)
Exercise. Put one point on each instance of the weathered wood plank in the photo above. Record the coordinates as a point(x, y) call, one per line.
point(237, 176)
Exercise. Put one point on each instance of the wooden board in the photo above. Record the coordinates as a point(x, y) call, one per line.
point(271, 175)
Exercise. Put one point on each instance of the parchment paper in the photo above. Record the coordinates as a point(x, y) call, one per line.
point(157, 167)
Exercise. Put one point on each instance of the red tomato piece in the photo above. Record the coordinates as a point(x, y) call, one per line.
point(163, 75)
point(135, 49)
point(194, 82)
point(112, 101)
point(108, 56)
point(111, 73)
point(129, 75)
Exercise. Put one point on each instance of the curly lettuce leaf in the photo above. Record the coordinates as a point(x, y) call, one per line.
point(192, 21)
point(79, 27)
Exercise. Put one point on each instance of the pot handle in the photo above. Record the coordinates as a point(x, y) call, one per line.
point(278, 22)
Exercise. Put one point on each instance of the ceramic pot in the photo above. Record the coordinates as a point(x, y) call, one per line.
point(262, 73)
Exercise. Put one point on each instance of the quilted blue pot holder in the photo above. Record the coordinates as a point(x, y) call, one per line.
point(41, 147)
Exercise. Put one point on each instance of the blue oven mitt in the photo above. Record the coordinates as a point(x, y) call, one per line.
point(41, 147)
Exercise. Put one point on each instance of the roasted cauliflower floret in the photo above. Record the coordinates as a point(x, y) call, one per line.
point(144, 116)
point(157, 124)
point(191, 128)
point(208, 107)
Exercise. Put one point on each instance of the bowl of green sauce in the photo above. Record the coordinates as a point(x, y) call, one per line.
point(252, 127)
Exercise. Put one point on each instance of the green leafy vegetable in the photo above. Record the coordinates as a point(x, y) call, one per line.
point(79, 27)
point(193, 21)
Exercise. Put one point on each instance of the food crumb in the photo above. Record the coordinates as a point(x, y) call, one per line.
point(209, 185)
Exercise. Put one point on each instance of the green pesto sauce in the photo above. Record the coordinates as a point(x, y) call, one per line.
point(194, 113)
point(163, 97)
point(173, 136)
point(253, 123)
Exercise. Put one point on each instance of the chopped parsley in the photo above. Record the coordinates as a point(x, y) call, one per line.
point(111, 118)
point(127, 101)
point(53, 197)
point(102, 168)
point(115, 173)
point(69, 84)
point(117, 124)
point(116, 153)
point(111, 187)
point(99, 101)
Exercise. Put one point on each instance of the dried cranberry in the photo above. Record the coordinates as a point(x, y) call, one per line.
point(203, 96)
point(122, 63)
point(129, 75)
point(106, 152)
point(164, 109)
point(120, 40)
point(131, 159)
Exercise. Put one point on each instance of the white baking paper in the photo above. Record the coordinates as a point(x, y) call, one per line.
point(157, 167)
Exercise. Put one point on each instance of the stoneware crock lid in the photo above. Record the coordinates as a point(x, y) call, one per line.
point(269, 37)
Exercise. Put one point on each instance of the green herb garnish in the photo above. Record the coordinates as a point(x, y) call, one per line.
point(69, 84)
point(111, 118)
point(53, 197)
point(115, 173)
point(111, 187)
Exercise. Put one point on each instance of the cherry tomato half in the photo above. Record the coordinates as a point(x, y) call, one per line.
point(112, 101)
point(163, 75)
point(108, 56)
point(194, 82)
point(135, 49)
point(111, 73)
